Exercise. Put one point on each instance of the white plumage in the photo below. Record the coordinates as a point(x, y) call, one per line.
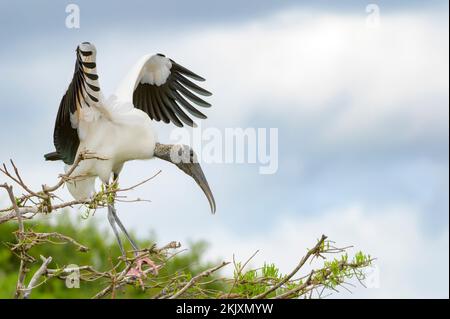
point(119, 129)
point(113, 128)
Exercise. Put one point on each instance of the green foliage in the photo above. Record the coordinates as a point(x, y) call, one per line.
point(332, 274)
point(102, 255)
point(67, 242)
point(103, 272)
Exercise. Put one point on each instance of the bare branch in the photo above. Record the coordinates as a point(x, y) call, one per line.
point(315, 250)
point(263, 282)
point(22, 267)
point(191, 282)
point(40, 272)
point(62, 178)
point(297, 289)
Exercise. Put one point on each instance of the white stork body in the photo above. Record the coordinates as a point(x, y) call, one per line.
point(119, 129)
point(118, 135)
point(115, 129)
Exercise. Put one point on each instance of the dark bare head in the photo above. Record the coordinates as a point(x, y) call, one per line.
point(184, 157)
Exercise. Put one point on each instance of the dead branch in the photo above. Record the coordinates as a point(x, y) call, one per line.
point(19, 210)
point(314, 251)
point(245, 284)
point(40, 272)
point(206, 273)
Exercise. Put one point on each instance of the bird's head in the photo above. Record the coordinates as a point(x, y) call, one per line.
point(185, 159)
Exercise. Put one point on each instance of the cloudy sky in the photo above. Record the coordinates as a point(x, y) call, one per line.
point(361, 107)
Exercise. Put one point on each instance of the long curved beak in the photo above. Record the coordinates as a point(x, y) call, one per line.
point(195, 171)
point(190, 167)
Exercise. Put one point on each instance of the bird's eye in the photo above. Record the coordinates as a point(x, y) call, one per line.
point(193, 157)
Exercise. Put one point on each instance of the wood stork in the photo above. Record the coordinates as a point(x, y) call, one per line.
point(119, 129)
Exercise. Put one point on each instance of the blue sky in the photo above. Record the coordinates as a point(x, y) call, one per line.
point(362, 114)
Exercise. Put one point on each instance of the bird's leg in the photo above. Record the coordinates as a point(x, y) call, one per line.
point(140, 261)
point(112, 222)
point(122, 227)
point(113, 212)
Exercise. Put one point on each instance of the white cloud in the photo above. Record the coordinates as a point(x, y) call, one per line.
point(298, 64)
point(392, 84)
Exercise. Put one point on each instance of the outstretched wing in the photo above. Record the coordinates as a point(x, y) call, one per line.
point(162, 88)
point(79, 101)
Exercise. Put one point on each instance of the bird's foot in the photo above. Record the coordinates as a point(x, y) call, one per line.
point(139, 273)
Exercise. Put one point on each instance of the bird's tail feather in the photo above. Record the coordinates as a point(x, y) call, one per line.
point(53, 156)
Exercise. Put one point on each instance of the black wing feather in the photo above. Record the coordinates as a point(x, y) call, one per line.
point(65, 137)
point(166, 112)
point(159, 107)
point(191, 85)
point(167, 103)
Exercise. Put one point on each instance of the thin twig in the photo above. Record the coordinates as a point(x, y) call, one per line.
point(240, 271)
point(297, 289)
point(191, 282)
point(313, 251)
point(81, 157)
